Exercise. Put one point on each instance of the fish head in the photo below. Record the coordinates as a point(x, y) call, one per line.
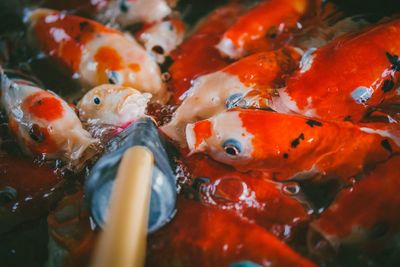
point(223, 137)
point(113, 105)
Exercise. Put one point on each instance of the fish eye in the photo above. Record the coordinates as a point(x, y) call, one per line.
point(36, 133)
point(233, 100)
point(232, 147)
point(96, 100)
point(362, 94)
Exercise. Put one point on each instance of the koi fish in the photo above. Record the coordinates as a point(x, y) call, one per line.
point(199, 47)
point(217, 231)
point(96, 54)
point(162, 38)
point(113, 105)
point(277, 207)
point(348, 221)
point(289, 146)
point(268, 16)
point(218, 91)
point(42, 122)
point(334, 81)
point(129, 12)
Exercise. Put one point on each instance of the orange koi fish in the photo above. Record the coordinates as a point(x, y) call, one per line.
point(197, 55)
point(345, 78)
point(277, 207)
point(292, 147)
point(365, 215)
point(96, 54)
point(42, 122)
point(273, 16)
point(213, 93)
point(217, 231)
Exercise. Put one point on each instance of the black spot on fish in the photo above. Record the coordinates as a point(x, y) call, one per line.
point(313, 123)
point(36, 134)
point(394, 60)
point(386, 145)
point(167, 63)
point(84, 25)
point(123, 7)
point(272, 33)
point(285, 155)
point(348, 118)
point(387, 85)
point(78, 39)
point(135, 27)
point(296, 141)
point(158, 50)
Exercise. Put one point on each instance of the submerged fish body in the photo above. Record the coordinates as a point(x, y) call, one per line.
point(350, 222)
point(217, 231)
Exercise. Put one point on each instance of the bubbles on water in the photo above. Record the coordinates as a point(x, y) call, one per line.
point(291, 189)
point(228, 193)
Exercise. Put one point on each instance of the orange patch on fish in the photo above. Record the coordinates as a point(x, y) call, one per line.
point(266, 15)
point(202, 131)
point(108, 59)
point(256, 125)
point(339, 68)
point(63, 37)
point(44, 105)
point(263, 69)
point(200, 48)
point(134, 67)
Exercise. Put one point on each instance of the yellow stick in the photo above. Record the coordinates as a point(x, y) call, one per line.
point(123, 240)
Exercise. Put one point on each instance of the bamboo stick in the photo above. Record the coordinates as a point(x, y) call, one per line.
point(123, 240)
